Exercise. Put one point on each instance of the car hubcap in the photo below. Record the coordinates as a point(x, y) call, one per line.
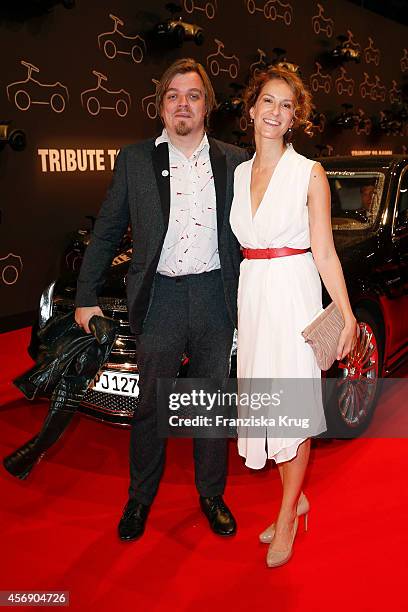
point(359, 378)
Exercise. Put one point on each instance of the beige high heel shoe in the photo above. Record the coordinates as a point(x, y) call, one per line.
point(276, 558)
point(303, 508)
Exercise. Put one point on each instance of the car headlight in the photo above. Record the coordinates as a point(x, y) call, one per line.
point(46, 304)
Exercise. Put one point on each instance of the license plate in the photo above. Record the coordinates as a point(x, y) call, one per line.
point(117, 383)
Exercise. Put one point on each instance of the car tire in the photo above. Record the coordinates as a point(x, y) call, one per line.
point(251, 7)
point(189, 6)
point(137, 54)
point(214, 67)
point(151, 110)
point(210, 10)
point(179, 35)
point(348, 410)
point(233, 71)
point(121, 108)
point(243, 123)
point(57, 103)
point(199, 38)
point(109, 49)
point(93, 106)
point(22, 100)
point(272, 14)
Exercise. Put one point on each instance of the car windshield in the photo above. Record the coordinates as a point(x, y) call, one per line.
point(355, 198)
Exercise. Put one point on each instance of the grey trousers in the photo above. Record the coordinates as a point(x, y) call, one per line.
point(186, 314)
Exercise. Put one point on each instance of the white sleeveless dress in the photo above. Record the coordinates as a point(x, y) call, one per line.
point(277, 298)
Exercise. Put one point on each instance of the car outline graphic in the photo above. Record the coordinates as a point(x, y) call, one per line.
point(150, 108)
point(93, 104)
point(17, 93)
point(317, 21)
point(214, 65)
point(344, 84)
point(109, 46)
point(209, 9)
point(371, 53)
point(318, 80)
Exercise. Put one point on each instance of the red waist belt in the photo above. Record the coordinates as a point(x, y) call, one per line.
point(271, 253)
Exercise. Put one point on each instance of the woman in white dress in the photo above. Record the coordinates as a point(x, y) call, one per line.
point(281, 216)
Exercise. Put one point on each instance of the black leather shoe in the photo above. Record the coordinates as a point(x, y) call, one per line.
point(219, 515)
point(133, 521)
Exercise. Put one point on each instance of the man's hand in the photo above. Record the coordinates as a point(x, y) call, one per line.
point(84, 314)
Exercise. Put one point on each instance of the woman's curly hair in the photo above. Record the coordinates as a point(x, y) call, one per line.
point(303, 98)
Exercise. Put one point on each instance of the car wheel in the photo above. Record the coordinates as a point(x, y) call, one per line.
point(137, 54)
point(189, 6)
point(243, 124)
point(151, 110)
point(251, 7)
point(352, 393)
point(93, 106)
point(57, 103)
point(233, 71)
point(199, 38)
point(272, 14)
point(109, 48)
point(214, 67)
point(22, 100)
point(210, 10)
point(179, 35)
point(122, 108)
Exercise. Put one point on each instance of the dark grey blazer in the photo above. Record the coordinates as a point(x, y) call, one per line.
point(140, 195)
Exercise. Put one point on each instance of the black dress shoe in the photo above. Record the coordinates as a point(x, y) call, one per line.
point(219, 515)
point(133, 521)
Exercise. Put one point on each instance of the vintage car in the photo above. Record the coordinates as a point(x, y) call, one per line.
point(178, 30)
point(370, 225)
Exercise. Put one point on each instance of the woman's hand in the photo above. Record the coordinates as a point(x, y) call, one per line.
point(84, 314)
point(348, 338)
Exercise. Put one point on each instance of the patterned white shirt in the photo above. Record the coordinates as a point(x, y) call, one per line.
point(191, 243)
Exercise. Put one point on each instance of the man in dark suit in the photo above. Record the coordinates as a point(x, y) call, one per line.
point(176, 192)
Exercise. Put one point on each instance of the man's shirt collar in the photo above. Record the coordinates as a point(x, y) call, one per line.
point(164, 137)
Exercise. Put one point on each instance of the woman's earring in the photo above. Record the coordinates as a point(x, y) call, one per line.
point(288, 135)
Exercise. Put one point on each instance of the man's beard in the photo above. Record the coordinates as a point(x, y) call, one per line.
point(182, 129)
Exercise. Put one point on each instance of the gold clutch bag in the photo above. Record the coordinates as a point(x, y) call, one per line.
point(323, 335)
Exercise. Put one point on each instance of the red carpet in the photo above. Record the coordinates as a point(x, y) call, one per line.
point(58, 528)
